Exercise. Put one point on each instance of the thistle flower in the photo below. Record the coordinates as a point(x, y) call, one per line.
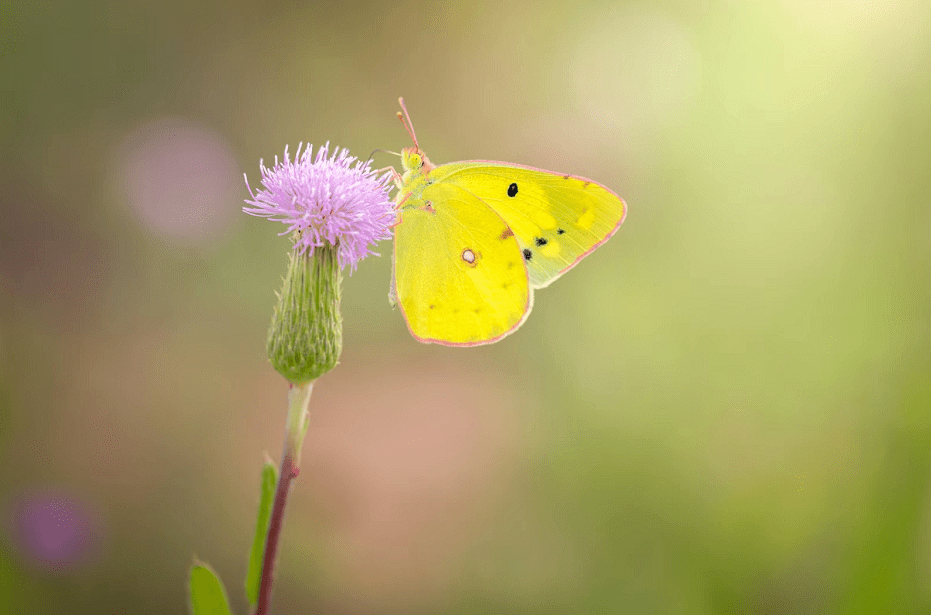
point(335, 208)
point(328, 200)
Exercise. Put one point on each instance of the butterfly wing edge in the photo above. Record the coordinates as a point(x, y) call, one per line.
point(426, 340)
point(579, 177)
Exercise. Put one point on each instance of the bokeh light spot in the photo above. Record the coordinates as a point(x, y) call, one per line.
point(53, 530)
point(635, 70)
point(180, 178)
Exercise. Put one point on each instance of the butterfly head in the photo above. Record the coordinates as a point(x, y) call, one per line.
point(415, 161)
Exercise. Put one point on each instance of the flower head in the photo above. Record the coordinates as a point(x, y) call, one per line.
point(329, 200)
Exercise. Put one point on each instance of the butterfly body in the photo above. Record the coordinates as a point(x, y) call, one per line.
point(475, 238)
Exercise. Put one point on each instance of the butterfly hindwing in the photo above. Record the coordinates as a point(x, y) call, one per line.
point(460, 277)
point(557, 219)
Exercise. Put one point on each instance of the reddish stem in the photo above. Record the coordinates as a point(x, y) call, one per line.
point(288, 473)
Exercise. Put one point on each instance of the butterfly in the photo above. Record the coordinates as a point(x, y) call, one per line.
point(474, 239)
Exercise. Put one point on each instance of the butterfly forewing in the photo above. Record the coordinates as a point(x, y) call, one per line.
point(460, 276)
point(557, 219)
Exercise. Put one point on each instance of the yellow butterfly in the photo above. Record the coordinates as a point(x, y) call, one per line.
point(474, 239)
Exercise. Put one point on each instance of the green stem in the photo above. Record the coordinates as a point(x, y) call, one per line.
point(296, 426)
point(295, 430)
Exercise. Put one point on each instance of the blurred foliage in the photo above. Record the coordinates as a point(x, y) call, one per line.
point(257, 554)
point(207, 594)
point(725, 409)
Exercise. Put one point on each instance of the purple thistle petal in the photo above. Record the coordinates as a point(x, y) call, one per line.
point(328, 199)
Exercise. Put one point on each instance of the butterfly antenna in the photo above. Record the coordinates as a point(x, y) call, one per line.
point(375, 151)
point(407, 123)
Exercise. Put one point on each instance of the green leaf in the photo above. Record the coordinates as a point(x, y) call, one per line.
point(254, 575)
point(207, 594)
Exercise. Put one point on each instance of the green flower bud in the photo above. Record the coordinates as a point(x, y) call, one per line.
point(306, 335)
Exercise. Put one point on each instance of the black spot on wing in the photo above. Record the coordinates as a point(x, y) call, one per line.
point(512, 190)
point(527, 254)
point(540, 241)
point(560, 231)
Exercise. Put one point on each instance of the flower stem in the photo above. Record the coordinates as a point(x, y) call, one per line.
point(296, 428)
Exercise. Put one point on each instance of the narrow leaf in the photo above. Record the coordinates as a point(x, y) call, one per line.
point(207, 594)
point(254, 575)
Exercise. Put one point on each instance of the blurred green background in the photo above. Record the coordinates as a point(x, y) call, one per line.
point(725, 409)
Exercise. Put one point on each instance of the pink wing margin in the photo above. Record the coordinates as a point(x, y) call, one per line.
point(427, 340)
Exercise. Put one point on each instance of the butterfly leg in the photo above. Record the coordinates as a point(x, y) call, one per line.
point(398, 181)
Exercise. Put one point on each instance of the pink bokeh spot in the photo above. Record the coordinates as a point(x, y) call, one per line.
point(180, 178)
point(53, 530)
